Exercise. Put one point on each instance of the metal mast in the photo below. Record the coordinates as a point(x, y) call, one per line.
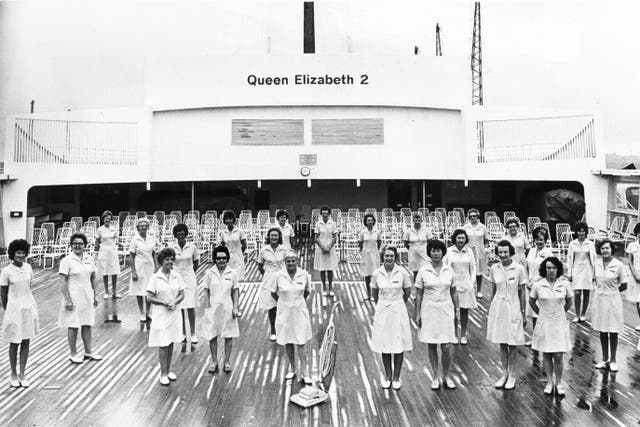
point(476, 59)
point(438, 46)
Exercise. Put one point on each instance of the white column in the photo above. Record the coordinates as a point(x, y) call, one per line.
point(14, 198)
point(596, 197)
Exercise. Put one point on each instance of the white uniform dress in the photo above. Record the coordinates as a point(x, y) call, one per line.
point(79, 271)
point(581, 261)
point(218, 320)
point(551, 334)
point(272, 261)
point(607, 301)
point(534, 260)
point(293, 324)
point(20, 320)
point(520, 244)
point(145, 266)
point(477, 235)
point(325, 261)
point(185, 257)
point(504, 324)
point(166, 327)
point(633, 294)
point(437, 310)
point(391, 331)
point(370, 254)
point(463, 263)
point(287, 234)
point(417, 247)
point(233, 241)
point(108, 263)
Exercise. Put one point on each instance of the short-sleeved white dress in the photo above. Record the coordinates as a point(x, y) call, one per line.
point(218, 320)
point(370, 253)
point(145, 265)
point(551, 334)
point(477, 235)
point(325, 261)
point(534, 260)
point(417, 247)
point(185, 257)
point(272, 261)
point(581, 260)
point(233, 241)
point(463, 263)
point(108, 263)
point(633, 294)
point(287, 234)
point(607, 313)
point(520, 244)
point(391, 331)
point(20, 320)
point(437, 311)
point(504, 324)
point(166, 327)
point(79, 271)
point(293, 324)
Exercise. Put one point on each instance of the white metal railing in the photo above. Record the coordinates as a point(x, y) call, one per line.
point(75, 142)
point(536, 138)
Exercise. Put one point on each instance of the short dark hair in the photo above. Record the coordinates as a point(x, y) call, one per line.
point(540, 230)
point(166, 253)
point(503, 243)
point(364, 218)
point(219, 249)
point(580, 226)
point(542, 270)
point(473, 210)
point(325, 208)
point(228, 215)
point(636, 228)
point(458, 232)
point(78, 236)
point(18, 245)
point(276, 229)
point(436, 244)
point(180, 227)
point(105, 214)
point(604, 242)
point(392, 249)
point(282, 212)
point(512, 221)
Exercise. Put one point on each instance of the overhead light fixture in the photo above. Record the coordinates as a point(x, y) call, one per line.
point(148, 186)
point(259, 183)
point(466, 182)
point(308, 183)
point(358, 182)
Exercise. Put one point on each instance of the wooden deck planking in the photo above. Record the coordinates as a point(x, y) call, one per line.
point(124, 387)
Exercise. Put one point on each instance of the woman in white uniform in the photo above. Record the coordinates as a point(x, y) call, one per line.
point(165, 291)
point(518, 240)
point(415, 240)
point(270, 262)
point(107, 248)
point(460, 258)
point(293, 324)
point(233, 238)
point(608, 318)
point(551, 298)
point(221, 296)
point(369, 241)
point(20, 322)
point(79, 301)
point(581, 262)
point(478, 238)
point(506, 319)
point(285, 228)
point(633, 251)
point(436, 303)
point(391, 331)
point(186, 265)
point(143, 264)
point(325, 259)
point(535, 256)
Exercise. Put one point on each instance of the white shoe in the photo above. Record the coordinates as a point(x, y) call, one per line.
point(105, 296)
point(511, 384)
point(385, 384)
point(548, 389)
point(576, 320)
point(194, 339)
point(272, 337)
point(479, 295)
point(601, 365)
point(77, 359)
point(464, 341)
point(561, 389)
point(638, 328)
point(164, 380)
point(289, 375)
point(455, 340)
point(583, 318)
point(172, 376)
point(435, 384)
point(613, 367)
point(501, 382)
point(527, 343)
point(25, 383)
point(396, 384)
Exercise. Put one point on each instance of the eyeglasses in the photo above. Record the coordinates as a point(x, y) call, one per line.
point(473, 216)
point(221, 258)
point(77, 243)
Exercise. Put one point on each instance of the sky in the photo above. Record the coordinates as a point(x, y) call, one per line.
point(561, 54)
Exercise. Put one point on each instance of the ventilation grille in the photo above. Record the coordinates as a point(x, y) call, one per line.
point(347, 131)
point(267, 132)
